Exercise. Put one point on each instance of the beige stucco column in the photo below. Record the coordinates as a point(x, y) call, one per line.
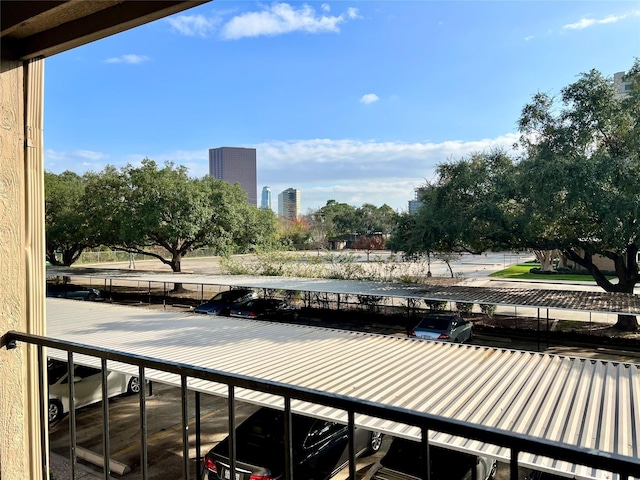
point(22, 271)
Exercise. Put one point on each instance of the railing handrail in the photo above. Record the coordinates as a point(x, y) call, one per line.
point(597, 459)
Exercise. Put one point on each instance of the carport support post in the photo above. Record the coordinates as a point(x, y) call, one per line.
point(164, 296)
point(338, 302)
point(538, 329)
point(547, 328)
point(149, 293)
point(110, 290)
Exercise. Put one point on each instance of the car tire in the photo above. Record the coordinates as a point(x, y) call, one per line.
point(375, 442)
point(91, 297)
point(492, 472)
point(133, 387)
point(55, 411)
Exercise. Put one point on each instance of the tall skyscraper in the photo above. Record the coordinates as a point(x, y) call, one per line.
point(236, 165)
point(289, 204)
point(266, 197)
point(622, 85)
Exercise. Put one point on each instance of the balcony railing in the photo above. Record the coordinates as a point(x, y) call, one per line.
point(623, 467)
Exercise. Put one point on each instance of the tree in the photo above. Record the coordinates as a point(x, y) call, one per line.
point(575, 189)
point(66, 217)
point(157, 211)
point(582, 167)
point(293, 233)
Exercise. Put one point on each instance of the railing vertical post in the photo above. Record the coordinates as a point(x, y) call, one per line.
point(352, 444)
point(106, 450)
point(232, 431)
point(198, 432)
point(426, 454)
point(513, 465)
point(185, 427)
point(288, 446)
point(44, 417)
point(72, 415)
point(144, 460)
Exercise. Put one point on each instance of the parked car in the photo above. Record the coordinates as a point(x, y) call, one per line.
point(443, 326)
point(87, 386)
point(403, 461)
point(67, 290)
point(320, 448)
point(221, 303)
point(265, 309)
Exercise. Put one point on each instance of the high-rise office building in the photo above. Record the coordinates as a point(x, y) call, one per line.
point(289, 204)
point(622, 85)
point(236, 165)
point(266, 197)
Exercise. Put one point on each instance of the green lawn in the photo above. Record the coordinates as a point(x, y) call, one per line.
point(521, 271)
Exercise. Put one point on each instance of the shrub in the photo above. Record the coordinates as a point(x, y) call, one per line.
point(489, 309)
point(436, 305)
point(464, 308)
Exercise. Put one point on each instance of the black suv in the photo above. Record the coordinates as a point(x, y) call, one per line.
point(320, 448)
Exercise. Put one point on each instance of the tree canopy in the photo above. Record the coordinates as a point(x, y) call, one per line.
point(160, 212)
point(66, 218)
point(337, 218)
point(575, 186)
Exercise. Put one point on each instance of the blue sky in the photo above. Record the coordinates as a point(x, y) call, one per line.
point(355, 101)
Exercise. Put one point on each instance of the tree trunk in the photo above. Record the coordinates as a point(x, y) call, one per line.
point(626, 268)
point(176, 267)
point(545, 258)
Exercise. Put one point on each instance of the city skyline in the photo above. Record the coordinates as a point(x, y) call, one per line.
point(351, 101)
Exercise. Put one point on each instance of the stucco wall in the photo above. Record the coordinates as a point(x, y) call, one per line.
point(20, 309)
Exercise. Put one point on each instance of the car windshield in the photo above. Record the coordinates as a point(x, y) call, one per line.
point(55, 371)
point(435, 323)
point(224, 297)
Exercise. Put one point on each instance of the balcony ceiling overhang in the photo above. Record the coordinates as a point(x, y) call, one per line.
point(31, 29)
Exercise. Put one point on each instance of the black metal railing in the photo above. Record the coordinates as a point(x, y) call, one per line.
point(622, 466)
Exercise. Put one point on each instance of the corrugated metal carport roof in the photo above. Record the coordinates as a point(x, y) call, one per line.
point(602, 302)
point(590, 403)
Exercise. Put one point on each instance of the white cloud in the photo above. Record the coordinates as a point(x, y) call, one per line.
point(528, 38)
point(325, 7)
point(353, 13)
point(346, 170)
point(590, 22)
point(281, 18)
point(194, 25)
point(129, 58)
point(369, 98)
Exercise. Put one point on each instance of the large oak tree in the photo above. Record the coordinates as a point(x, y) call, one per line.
point(576, 187)
point(163, 213)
